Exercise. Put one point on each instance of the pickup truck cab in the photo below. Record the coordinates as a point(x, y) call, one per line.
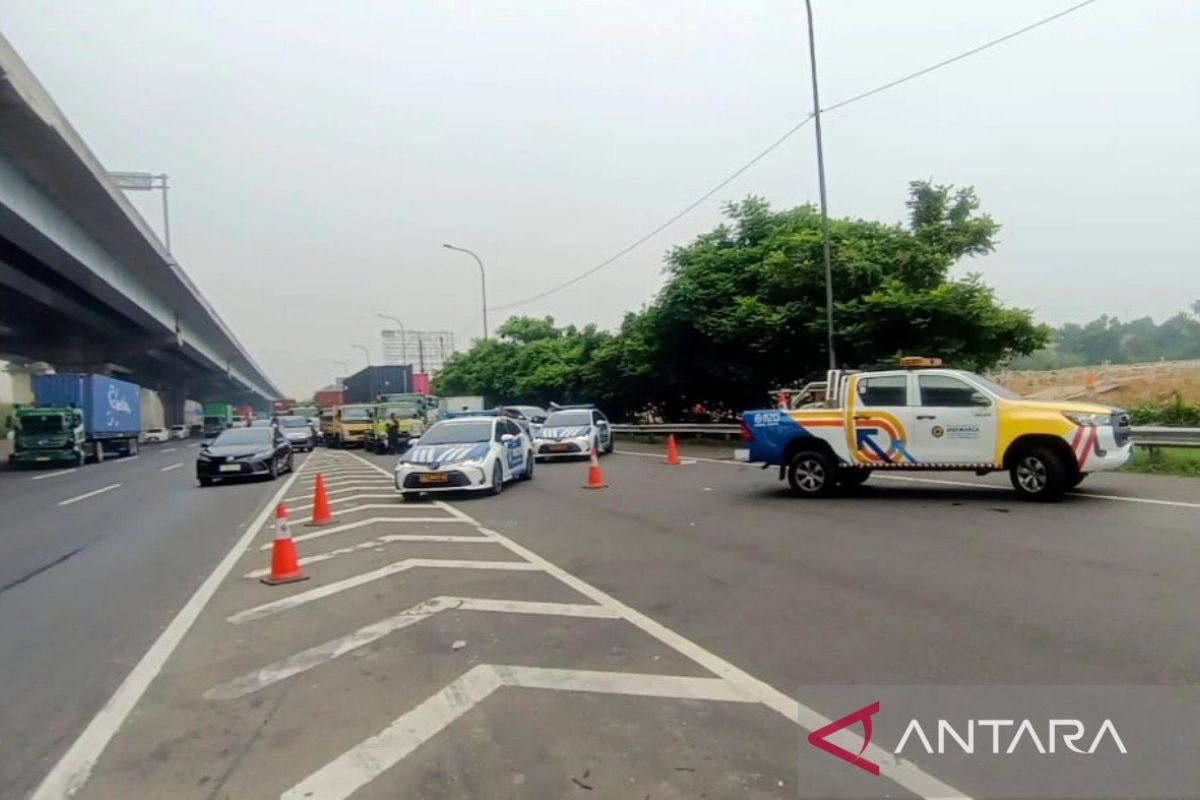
point(924, 417)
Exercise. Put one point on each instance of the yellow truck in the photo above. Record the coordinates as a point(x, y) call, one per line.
point(410, 410)
point(350, 425)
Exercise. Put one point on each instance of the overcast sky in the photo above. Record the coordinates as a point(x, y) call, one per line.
point(320, 152)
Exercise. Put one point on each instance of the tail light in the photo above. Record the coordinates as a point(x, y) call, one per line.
point(747, 436)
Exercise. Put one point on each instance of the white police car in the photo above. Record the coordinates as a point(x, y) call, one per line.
point(573, 431)
point(469, 453)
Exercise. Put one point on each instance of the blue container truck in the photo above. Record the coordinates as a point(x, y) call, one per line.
point(77, 417)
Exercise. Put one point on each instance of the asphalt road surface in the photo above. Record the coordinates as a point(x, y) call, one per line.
point(648, 640)
point(93, 565)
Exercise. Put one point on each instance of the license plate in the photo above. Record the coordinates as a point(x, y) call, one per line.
point(741, 454)
point(435, 477)
point(42, 458)
point(559, 448)
point(231, 468)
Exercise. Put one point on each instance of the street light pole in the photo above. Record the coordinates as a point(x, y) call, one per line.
point(812, 56)
point(345, 369)
point(365, 351)
point(403, 348)
point(482, 282)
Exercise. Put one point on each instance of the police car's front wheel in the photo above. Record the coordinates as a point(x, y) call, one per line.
point(811, 473)
point(497, 479)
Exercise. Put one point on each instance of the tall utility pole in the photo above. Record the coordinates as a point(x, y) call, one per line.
point(482, 282)
point(812, 56)
point(147, 182)
point(366, 353)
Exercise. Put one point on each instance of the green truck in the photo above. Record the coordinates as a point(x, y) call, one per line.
point(412, 411)
point(217, 417)
point(77, 417)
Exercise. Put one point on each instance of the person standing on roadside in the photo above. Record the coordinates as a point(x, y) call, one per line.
point(393, 433)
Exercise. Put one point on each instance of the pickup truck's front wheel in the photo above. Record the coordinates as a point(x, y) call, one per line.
point(811, 473)
point(1038, 473)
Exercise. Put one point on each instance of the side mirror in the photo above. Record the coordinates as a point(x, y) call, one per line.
point(507, 437)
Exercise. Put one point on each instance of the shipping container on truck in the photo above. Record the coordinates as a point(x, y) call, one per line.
point(78, 417)
point(217, 417)
point(245, 411)
point(193, 416)
point(366, 385)
point(283, 406)
point(328, 398)
point(421, 383)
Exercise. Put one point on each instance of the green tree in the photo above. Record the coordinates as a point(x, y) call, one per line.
point(743, 312)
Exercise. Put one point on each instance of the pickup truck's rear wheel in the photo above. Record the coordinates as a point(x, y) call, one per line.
point(1039, 474)
point(811, 473)
point(849, 477)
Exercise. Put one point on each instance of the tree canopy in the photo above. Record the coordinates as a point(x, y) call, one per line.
point(743, 311)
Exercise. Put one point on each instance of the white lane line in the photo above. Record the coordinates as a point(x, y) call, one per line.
point(168, 450)
point(942, 482)
point(89, 494)
point(903, 772)
point(393, 506)
point(335, 648)
point(173, 466)
point(72, 770)
point(362, 523)
point(277, 606)
point(371, 544)
point(53, 474)
point(364, 762)
point(331, 492)
point(353, 497)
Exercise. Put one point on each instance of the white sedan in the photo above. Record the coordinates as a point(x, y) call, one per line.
point(477, 453)
point(155, 435)
point(573, 431)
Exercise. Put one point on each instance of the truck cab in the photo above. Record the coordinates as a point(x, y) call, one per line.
point(926, 417)
point(351, 424)
point(48, 435)
point(410, 411)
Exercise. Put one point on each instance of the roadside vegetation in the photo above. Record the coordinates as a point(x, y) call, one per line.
point(742, 312)
point(1108, 340)
point(1183, 461)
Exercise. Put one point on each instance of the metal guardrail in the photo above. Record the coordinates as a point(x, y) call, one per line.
point(1145, 436)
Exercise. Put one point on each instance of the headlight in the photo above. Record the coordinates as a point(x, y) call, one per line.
point(203, 457)
point(1088, 420)
point(472, 462)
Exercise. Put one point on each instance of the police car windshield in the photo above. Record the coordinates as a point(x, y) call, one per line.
point(459, 432)
point(561, 419)
point(995, 388)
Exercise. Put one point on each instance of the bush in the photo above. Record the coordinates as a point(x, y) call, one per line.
point(1176, 413)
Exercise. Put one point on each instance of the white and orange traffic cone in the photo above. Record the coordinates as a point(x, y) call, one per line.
point(672, 452)
point(321, 515)
point(285, 567)
point(595, 480)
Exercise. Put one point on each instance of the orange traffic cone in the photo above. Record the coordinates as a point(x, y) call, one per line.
point(595, 479)
point(321, 515)
point(672, 452)
point(285, 567)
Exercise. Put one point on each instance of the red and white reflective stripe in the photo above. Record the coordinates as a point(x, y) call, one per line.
point(1088, 442)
